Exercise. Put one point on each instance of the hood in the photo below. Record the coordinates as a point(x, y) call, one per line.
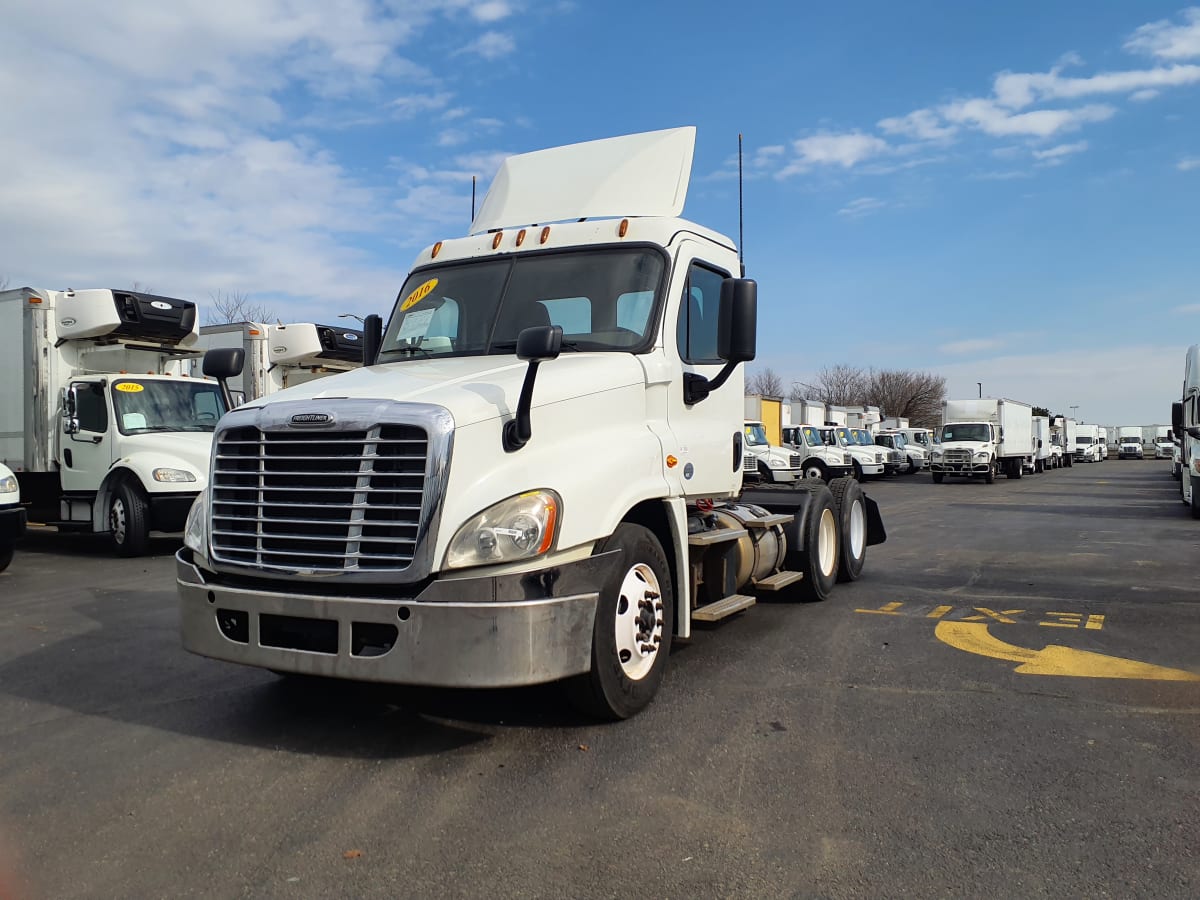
point(963, 445)
point(475, 388)
point(188, 447)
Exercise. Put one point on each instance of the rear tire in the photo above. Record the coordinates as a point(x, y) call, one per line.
point(1014, 471)
point(129, 521)
point(624, 677)
point(818, 560)
point(938, 477)
point(852, 519)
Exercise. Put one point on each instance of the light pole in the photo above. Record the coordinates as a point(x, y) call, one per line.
point(980, 383)
point(1073, 416)
point(350, 316)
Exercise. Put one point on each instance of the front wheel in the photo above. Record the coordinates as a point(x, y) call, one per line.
point(129, 521)
point(815, 471)
point(631, 636)
point(858, 472)
point(938, 477)
point(6, 556)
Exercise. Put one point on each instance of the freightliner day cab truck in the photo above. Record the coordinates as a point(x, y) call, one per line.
point(1088, 443)
point(866, 459)
point(282, 356)
point(1063, 432)
point(538, 478)
point(12, 515)
point(1185, 423)
point(99, 424)
point(1129, 442)
point(984, 438)
point(1164, 445)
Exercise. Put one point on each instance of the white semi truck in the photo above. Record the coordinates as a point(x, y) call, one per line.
point(1088, 443)
point(12, 515)
point(1129, 442)
point(282, 356)
point(100, 425)
point(1164, 445)
point(538, 476)
point(820, 460)
point(1185, 422)
point(983, 438)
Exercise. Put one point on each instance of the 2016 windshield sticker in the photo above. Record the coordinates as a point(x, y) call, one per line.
point(419, 294)
point(129, 387)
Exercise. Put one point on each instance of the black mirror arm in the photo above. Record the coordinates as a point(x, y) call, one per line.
point(697, 387)
point(518, 430)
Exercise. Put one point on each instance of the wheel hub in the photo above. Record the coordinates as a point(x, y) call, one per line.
point(638, 621)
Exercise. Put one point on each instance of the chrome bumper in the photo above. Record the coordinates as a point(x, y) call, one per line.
point(472, 632)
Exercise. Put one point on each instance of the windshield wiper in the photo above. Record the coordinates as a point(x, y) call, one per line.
point(145, 428)
point(512, 345)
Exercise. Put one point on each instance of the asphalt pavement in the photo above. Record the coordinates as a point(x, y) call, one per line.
point(1006, 704)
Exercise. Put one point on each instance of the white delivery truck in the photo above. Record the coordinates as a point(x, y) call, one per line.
point(1063, 431)
point(12, 515)
point(915, 457)
point(865, 459)
point(1164, 446)
point(1088, 443)
point(538, 477)
point(1044, 456)
point(894, 423)
point(764, 462)
point(1185, 422)
point(983, 437)
point(102, 428)
point(820, 461)
point(808, 412)
point(1129, 442)
point(865, 417)
point(282, 356)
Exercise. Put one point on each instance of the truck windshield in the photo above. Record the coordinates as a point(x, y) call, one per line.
point(863, 437)
point(756, 435)
point(974, 431)
point(145, 406)
point(921, 438)
point(811, 436)
point(1083, 440)
point(603, 299)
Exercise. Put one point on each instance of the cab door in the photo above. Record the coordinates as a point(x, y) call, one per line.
point(85, 443)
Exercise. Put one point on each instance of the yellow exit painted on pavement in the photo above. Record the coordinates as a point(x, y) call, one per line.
point(987, 615)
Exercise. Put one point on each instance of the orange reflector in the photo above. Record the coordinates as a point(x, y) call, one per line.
point(672, 462)
point(520, 237)
point(437, 248)
point(624, 228)
point(496, 239)
point(551, 520)
point(545, 235)
point(35, 299)
point(255, 331)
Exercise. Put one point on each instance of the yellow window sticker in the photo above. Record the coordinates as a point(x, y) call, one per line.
point(419, 294)
point(130, 387)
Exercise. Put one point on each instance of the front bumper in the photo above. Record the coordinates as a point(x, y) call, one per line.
point(12, 523)
point(169, 512)
point(959, 468)
point(472, 632)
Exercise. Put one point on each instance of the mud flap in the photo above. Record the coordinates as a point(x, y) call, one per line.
point(876, 534)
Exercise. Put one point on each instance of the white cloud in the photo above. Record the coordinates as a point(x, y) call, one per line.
point(1056, 154)
point(1007, 175)
point(491, 45)
point(826, 149)
point(922, 124)
point(412, 105)
point(1018, 90)
point(1144, 95)
point(1187, 308)
point(1169, 41)
point(971, 345)
point(991, 118)
point(1188, 163)
point(491, 11)
point(863, 206)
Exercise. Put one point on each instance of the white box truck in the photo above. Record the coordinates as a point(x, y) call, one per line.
point(1063, 431)
point(1044, 456)
point(282, 356)
point(1088, 443)
point(1129, 442)
point(767, 463)
point(983, 438)
point(12, 515)
point(102, 428)
point(538, 476)
point(820, 460)
point(808, 412)
point(1102, 436)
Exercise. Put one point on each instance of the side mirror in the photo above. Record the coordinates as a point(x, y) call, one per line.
point(1177, 416)
point(224, 362)
point(372, 338)
point(737, 317)
point(238, 397)
point(537, 345)
point(70, 412)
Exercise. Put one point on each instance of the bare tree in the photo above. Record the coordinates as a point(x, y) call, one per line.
point(840, 385)
point(917, 396)
point(766, 383)
point(235, 306)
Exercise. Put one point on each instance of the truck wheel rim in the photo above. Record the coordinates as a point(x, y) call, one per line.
point(827, 535)
point(639, 621)
point(858, 530)
point(812, 473)
point(116, 520)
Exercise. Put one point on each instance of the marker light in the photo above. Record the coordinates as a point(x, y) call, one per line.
point(545, 235)
point(437, 248)
point(520, 237)
point(624, 228)
point(496, 240)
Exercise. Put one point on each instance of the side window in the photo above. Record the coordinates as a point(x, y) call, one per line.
point(91, 408)
point(205, 405)
point(697, 332)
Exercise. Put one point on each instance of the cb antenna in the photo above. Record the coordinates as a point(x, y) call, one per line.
point(472, 198)
point(741, 236)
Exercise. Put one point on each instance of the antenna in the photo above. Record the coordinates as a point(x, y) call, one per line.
point(741, 236)
point(472, 198)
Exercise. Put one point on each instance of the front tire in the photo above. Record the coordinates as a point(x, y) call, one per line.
point(938, 477)
point(852, 519)
point(858, 472)
point(129, 521)
point(815, 471)
point(6, 556)
point(990, 477)
point(631, 636)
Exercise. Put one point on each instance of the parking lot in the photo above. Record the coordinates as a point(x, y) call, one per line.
point(1007, 703)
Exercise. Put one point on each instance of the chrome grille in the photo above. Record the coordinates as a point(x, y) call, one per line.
point(749, 463)
point(796, 461)
point(958, 456)
point(336, 501)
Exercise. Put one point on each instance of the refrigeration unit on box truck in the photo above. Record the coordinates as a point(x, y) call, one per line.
point(98, 421)
point(539, 475)
point(983, 438)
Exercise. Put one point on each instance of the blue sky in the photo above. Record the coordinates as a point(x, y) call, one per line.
point(1004, 193)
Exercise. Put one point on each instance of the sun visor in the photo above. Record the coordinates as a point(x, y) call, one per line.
point(636, 175)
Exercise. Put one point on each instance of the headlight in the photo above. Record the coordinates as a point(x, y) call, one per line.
point(8, 484)
point(520, 527)
point(935, 454)
point(195, 532)
point(982, 454)
point(173, 475)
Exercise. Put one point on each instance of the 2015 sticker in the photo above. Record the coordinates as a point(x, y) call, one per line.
point(129, 387)
point(419, 294)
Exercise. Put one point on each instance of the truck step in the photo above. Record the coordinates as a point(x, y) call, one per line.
point(778, 581)
point(724, 607)
point(768, 521)
point(717, 536)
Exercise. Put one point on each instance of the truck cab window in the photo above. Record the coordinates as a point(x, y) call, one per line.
point(91, 407)
point(697, 332)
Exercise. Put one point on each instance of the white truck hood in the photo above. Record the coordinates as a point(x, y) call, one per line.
point(169, 449)
point(475, 388)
